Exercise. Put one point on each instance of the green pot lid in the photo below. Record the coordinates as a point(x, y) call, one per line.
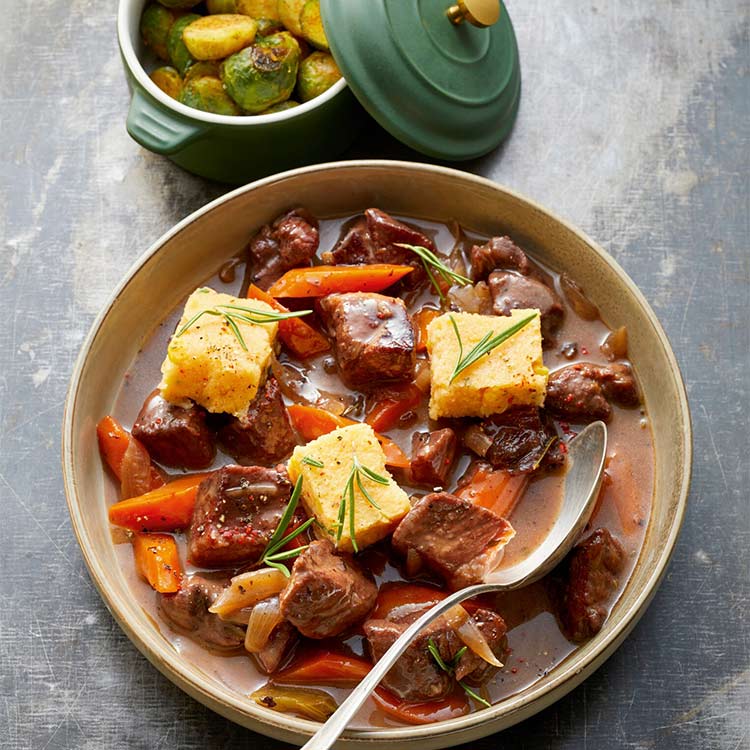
point(448, 90)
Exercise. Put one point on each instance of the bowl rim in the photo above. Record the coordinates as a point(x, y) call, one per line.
point(512, 709)
point(137, 70)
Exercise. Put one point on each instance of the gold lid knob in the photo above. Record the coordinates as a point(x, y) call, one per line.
point(479, 13)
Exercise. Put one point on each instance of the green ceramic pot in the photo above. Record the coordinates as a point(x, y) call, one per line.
point(226, 148)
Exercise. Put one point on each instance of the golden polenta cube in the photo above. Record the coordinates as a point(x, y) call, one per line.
point(511, 374)
point(206, 361)
point(323, 486)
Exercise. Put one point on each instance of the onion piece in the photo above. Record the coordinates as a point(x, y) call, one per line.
point(474, 298)
point(248, 589)
point(477, 440)
point(309, 703)
point(135, 470)
point(423, 375)
point(468, 631)
point(264, 617)
point(615, 346)
point(583, 307)
point(413, 562)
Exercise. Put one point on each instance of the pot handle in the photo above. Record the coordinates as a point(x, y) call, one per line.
point(155, 129)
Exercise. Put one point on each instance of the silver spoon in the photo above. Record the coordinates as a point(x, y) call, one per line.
point(586, 454)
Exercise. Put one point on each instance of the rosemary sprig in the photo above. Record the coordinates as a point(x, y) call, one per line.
point(485, 346)
point(430, 261)
point(234, 313)
point(271, 554)
point(355, 478)
point(451, 669)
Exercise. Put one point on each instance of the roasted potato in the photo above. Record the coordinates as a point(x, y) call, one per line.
point(289, 12)
point(168, 80)
point(263, 74)
point(217, 37)
point(203, 68)
point(311, 25)
point(259, 8)
point(156, 21)
point(179, 55)
point(317, 73)
point(208, 94)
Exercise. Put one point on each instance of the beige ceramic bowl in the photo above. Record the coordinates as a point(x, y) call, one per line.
point(192, 251)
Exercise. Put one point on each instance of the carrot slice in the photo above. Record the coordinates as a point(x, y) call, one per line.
point(158, 561)
point(166, 508)
point(495, 490)
point(311, 422)
point(318, 281)
point(422, 319)
point(113, 442)
point(324, 668)
point(455, 705)
point(391, 405)
point(301, 339)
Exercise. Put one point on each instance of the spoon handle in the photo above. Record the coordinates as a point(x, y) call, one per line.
point(337, 723)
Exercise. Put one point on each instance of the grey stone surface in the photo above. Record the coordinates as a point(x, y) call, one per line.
point(633, 125)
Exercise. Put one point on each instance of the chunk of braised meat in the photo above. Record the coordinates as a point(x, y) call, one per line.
point(373, 335)
point(518, 441)
point(279, 647)
point(513, 291)
point(454, 538)
point(175, 435)
point(582, 392)
point(432, 455)
point(498, 252)
point(237, 509)
point(264, 435)
point(187, 613)
point(327, 592)
point(593, 569)
point(290, 242)
point(416, 676)
point(375, 238)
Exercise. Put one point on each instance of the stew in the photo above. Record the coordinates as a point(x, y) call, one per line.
point(325, 452)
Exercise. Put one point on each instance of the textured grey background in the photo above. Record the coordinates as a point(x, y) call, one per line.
point(633, 125)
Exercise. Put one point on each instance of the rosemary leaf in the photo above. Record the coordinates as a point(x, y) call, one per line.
point(310, 461)
point(474, 695)
point(433, 649)
point(236, 330)
point(429, 261)
point(286, 517)
point(485, 346)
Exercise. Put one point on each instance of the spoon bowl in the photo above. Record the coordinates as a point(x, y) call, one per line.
point(586, 456)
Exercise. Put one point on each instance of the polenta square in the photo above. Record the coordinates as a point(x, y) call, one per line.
point(326, 465)
point(206, 360)
point(511, 374)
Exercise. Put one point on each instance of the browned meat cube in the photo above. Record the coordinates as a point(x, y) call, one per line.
point(498, 252)
point(175, 435)
point(187, 612)
point(518, 441)
point(375, 239)
point(512, 291)
point(282, 641)
point(416, 676)
point(373, 336)
point(582, 392)
point(327, 592)
point(290, 242)
point(432, 455)
point(264, 435)
point(458, 540)
point(593, 569)
point(236, 511)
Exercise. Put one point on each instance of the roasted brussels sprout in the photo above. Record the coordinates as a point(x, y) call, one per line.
point(179, 55)
point(317, 73)
point(156, 22)
point(221, 6)
point(281, 107)
point(207, 93)
point(259, 8)
point(289, 12)
point(264, 74)
point(311, 24)
point(217, 37)
point(168, 80)
point(268, 26)
point(179, 3)
point(203, 68)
